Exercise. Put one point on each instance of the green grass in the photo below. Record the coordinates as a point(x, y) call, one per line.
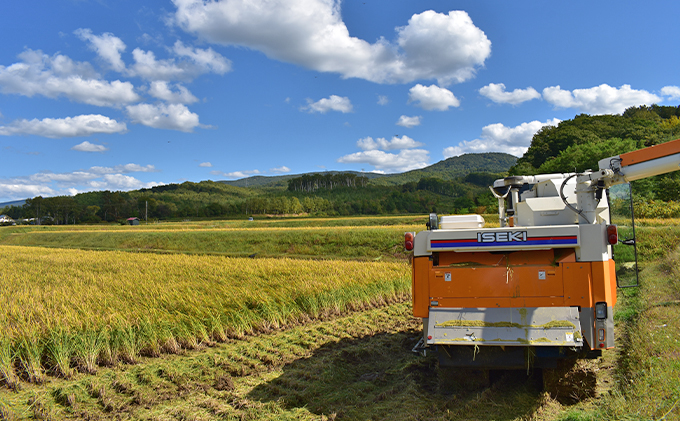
point(646, 364)
point(339, 242)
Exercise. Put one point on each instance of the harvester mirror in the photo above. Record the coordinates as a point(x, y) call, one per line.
point(433, 222)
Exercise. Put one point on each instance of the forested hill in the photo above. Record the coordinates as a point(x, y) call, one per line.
point(448, 169)
point(579, 143)
point(281, 181)
point(452, 168)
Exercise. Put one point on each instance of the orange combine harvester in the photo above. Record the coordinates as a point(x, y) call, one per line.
point(541, 287)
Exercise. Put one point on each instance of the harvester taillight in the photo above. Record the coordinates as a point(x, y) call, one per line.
point(408, 241)
point(612, 235)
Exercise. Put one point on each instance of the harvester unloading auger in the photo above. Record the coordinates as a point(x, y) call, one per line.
point(540, 288)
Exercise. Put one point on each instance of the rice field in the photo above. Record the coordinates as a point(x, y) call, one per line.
point(66, 309)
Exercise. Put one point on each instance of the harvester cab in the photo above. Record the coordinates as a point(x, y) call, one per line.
point(543, 283)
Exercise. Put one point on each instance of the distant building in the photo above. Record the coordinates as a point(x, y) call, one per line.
point(133, 221)
point(6, 220)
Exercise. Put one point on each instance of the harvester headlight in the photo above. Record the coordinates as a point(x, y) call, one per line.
point(601, 311)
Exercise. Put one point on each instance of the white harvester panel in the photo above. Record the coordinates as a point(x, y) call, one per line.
point(507, 238)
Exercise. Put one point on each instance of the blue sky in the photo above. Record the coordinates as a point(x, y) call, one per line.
point(120, 95)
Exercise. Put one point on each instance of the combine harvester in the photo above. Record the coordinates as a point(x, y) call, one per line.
point(539, 290)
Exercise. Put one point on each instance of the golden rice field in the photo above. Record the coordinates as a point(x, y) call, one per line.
point(66, 309)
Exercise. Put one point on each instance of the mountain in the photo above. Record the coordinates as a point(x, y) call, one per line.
point(13, 203)
point(447, 169)
point(454, 167)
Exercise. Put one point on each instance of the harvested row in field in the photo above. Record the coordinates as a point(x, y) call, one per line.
point(355, 367)
point(258, 222)
point(74, 308)
point(339, 242)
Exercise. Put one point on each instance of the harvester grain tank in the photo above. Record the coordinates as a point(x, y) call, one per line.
point(542, 286)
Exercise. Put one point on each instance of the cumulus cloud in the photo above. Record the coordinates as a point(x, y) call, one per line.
point(161, 89)
point(107, 46)
point(236, 174)
point(383, 100)
point(196, 62)
point(673, 92)
point(332, 103)
point(205, 165)
point(21, 189)
point(602, 99)
point(432, 97)
point(405, 160)
point(59, 76)
point(69, 183)
point(500, 138)
point(123, 169)
point(279, 170)
point(119, 182)
point(408, 122)
point(147, 66)
point(207, 60)
point(311, 33)
point(89, 147)
point(497, 93)
point(396, 142)
point(163, 116)
point(82, 125)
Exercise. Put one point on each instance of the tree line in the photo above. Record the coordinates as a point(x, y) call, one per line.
point(313, 182)
point(210, 200)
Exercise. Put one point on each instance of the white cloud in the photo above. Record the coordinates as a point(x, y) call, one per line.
point(107, 46)
point(311, 33)
point(432, 97)
point(21, 189)
point(236, 174)
point(383, 100)
point(208, 60)
point(163, 116)
point(409, 122)
point(89, 147)
point(59, 76)
point(198, 62)
point(82, 125)
point(119, 182)
point(69, 183)
point(496, 92)
point(405, 160)
point(280, 170)
point(205, 165)
point(602, 99)
point(673, 92)
point(146, 66)
point(404, 142)
point(161, 90)
point(500, 138)
point(124, 169)
point(333, 103)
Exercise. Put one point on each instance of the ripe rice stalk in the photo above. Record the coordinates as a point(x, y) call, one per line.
point(7, 357)
point(87, 349)
point(30, 353)
point(127, 343)
point(149, 339)
point(186, 336)
point(59, 349)
point(216, 328)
